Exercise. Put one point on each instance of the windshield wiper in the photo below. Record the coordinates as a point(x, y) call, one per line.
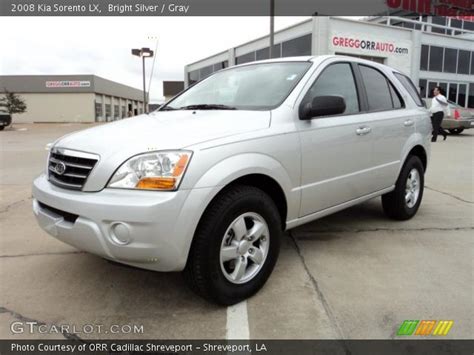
point(168, 108)
point(207, 107)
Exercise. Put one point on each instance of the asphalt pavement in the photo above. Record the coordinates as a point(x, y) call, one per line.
point(352, 275)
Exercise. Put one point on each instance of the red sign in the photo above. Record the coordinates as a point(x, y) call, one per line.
point(452, 8)
point(368, 45)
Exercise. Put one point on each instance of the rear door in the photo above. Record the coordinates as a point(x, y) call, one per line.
point(391, 125)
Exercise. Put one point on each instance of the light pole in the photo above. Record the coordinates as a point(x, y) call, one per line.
point(272, 27)
point(143, 53)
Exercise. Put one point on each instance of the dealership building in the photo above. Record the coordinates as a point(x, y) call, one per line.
point(72, 98)
point(431, 50)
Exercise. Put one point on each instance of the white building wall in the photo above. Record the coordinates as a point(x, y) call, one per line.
point(57, 107)
point(362, 31)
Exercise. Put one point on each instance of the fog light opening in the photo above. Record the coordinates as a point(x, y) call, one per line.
point(120, 233)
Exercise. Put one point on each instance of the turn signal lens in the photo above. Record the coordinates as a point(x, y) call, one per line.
point(180, 165)
point(157, 183)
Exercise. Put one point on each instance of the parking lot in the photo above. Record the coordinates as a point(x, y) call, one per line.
point(354, 275)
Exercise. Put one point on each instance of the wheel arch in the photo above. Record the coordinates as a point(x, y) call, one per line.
point(419, 152)
point(263, 182)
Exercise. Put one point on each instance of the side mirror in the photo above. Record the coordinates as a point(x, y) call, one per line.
point(323, 106)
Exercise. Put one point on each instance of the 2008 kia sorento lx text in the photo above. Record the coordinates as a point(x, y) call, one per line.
point(208, 183)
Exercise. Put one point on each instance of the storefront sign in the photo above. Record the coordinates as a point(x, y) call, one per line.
point(68, 84)
point(368, 45)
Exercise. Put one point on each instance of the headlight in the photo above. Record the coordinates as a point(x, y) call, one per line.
point(152, 171)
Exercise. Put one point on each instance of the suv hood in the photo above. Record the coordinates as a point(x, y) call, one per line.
point(116, 142)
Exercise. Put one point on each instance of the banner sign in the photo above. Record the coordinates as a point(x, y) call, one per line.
point(367, 45)
point(456, 8)
point(68, 84)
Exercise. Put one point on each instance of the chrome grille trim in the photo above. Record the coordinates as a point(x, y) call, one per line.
point(74, 168)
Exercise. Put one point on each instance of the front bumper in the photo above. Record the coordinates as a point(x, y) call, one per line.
point(147, 229)
point(462, 123)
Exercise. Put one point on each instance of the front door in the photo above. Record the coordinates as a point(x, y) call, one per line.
point(336, 150)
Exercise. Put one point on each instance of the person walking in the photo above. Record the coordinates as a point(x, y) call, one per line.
point(439, 105)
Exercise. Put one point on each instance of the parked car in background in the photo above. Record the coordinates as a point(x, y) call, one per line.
point(461, 118)
point(209, 182)
point(5, 119)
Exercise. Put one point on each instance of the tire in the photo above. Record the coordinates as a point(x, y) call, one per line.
point(206, 272)
point(456, 130)
point(395, 203)
point(2, 128)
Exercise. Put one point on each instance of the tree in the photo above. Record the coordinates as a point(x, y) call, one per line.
point(13, 103)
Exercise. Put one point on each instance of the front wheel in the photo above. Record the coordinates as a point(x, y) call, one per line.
point(403, 202)
point(235, 247)
point(456, 130)
point(2, 128)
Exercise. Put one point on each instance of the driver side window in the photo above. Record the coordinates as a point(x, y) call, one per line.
point(337, 79)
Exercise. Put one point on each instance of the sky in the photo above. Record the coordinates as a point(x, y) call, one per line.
point(102, 45)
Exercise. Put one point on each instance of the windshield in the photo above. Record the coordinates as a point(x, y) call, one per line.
point(251, 87)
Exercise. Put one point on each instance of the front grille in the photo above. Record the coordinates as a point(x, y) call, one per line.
point(69, 169)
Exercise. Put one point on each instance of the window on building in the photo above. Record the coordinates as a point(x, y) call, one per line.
point(263, 53)
point(108, 112)
point(221, 65)
point(444, 88)
point(469, 25)
point(336, 79)
point(206, 71)
point(436, 58)
point(452, 93)
point(462, 95)
point(472, 62)
point(425, 51)
point(431, 86)
point(463, 62)
point(377, 87)
point(422, 89)
point(246, 58)
point(456, 24)
point(98, 111)
point(297, 46)
point(438, 20)
point(193, 77)
point(470, 100)
point(124, 112)
point(450, 60)
point(410, 87)
point(116, 112)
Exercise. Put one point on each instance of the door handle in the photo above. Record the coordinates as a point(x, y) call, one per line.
point(361, 131)
point(408, 123)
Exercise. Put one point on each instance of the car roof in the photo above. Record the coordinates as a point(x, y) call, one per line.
point(322, 58)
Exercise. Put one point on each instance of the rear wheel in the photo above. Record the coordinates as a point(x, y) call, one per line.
point(403, 202)
point(2, 128)
point(456, 130)
point(235, 246)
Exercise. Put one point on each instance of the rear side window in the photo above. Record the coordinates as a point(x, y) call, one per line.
point(336, 79)
point(379, 90)
point(396, 99)
point(410, 87)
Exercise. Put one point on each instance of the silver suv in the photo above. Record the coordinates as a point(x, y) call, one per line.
point(208, 183)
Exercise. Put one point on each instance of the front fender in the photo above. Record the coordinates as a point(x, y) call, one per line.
point(223, 173)
point(237, 166)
